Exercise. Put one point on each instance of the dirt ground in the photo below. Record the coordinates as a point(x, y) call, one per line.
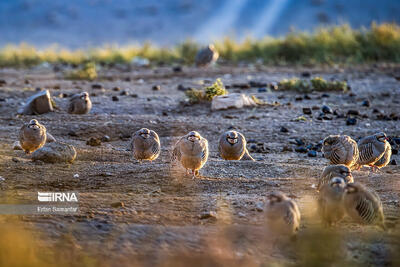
point(164, 213)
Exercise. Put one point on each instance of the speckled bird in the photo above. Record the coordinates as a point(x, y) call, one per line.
point(232, 146)
point(340, 149)
point(206, 56)
point(375, 151)
point(80, 104)
point(32, 136)
point(330, 201)
point(145, 145)
point(331, 171)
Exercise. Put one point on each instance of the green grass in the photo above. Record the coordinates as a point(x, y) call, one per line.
point(314, 84)
point(206, 94)
point(87, 72)
point(340, 44)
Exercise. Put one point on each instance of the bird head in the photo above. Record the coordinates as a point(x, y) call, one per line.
point(33, 124)
point(85, 96)
point(276, 197)
point(232, 137)
point(144, 133)
point(330, 140)
point(381, 137)
point(344, 172)
point(337, 182)
point(193, 136)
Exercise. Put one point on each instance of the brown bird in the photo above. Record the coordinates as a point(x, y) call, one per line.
point(32, 136)
point(340, 149)
point(206, 56)
point(282, 214)
point(330, 201)
point(80, 104)
point(145, 145)
point(232, 146)
point(331, 171)
point(192, 152)
point(362, 205)
point(372, 149)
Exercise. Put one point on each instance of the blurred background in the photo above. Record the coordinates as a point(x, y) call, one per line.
point(82, 23)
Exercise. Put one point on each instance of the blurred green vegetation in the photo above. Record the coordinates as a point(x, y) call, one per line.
point(207, 94)
point(314, 84)
point(340, 44)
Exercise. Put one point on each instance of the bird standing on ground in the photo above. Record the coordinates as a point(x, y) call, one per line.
point(32, 136)
point(192, 152)
point(80, 104)
point(232, 146)
point(330, 201)
point(340, 149)
point(282, 214)
point(145, 145)
point(206, 56)
point(362, 205)
point(375, 151)
point(331, 171)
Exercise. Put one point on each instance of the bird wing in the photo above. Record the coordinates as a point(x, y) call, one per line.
point(154, 135)
point(176, 152)
point(71, 107)
point(203, 57)
point(204, 151)
point(155, 148)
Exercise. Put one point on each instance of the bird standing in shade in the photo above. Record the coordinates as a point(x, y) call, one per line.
point(32, 136)
point(330, 201)
point(206, 56)
point(232, 146)
point(362, 205)
point(145, 145)
point(192, 152)
point(80, 104)
point(375, 151)
point(340, 149)
point(282, 214)
point(331, 171)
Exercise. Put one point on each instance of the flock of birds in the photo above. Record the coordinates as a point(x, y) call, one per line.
point(339, 195)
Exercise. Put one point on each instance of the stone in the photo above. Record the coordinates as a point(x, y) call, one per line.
point(118, 204)
point(325, 95)
point(105, 138)
point(156, 88)
point(93, 141)
point(301, 149)
point(262, 90)
point(116, 89)
point(326, 109)
point(177, 69)
point(351, 121)
point(124, 92)
point(114, 98)
point(307, 111)
point(39, 103)
point(234, 100)
point(55, 152)
point(284, 129)
point(393, 162)
point(312, 153)
point(365, 103)
point(207, 215)
point(97, 86)
point(17, 145)
point(306, 74)
point(353, 112)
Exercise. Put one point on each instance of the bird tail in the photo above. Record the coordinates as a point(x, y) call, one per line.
point(247, 156)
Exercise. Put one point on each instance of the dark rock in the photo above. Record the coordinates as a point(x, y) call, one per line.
point(325, 95)
point(394, 116)
point(353, 112)
point(307, 111)
point(352, 94)
point(284, 129)
point(93, 141)
point(315, 108)
point(299, 98)
point(326, 109)
point(258, 84)
point(338, 114)
point(63, 95)
point(2, 82)
point(393, 162)
point(156, 88)
point(97, 86)
point(105, 138)
point(128, 79)
point(385, 94)
point(396, 140)
point(395, 151)
point(164, 113)
point(287, 149)
point(307, 97)
point(177, 69)
point(312, 153)
point(376, 111)
point(365, 103)
point(116, 89)
point(299, 142)
point(306, 74)
point(182, 88)
point(114, 98)
point(16, 160)
point(207, 215)
point(27, 81)
point(55, 152)
point(351, 121)
point(262, 90)
point(134, 95)
point(124, 93)
point(300, 149)
point(241, 85)
point(273, 86)
point(72, 133)
point(251, 141)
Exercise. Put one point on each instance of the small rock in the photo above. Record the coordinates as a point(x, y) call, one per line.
point(260, 207)
point(115, 98)
point(72, 133)
point(315, 108)
point(118, 204)
point(15, 160)
point(105, 138)
point(352, 95)
point(55, 152)
point(273, 86)
point(156, 88)
point(351, 121)
point(93, 141)
point(17, 146)
point(262, 90)
point(299, 98)
point(2, 82)
point(325, 95)
point(97, 86)
point(353, 112)
point(301, 149)
point(312, 153)
point(241, 85)
point(306, 74)
point(307, 111)
point(76, 175)
point(208, 214)
point(396, 140)
point(395, 151)
point(182, 88)
point(299, 142)
point(124, 93)
point(177, 69)
point(365, 103)
point(393, 162)
point(116, 89)
point(134, 95)
point(284, 129)
point(307, 97)
point(326, 109)
point(287, 149)
point(258, 84)
point(2, 179)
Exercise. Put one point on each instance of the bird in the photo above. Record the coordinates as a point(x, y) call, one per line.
point(32, 136)
point(330, 201)
point(282, 214)
point(191, 151)
point(340, 149)
point(232, 146)
point(80, 104)
point(331, 171)
point(362, 205)
point(372, 149)
point(206, 56)
point(145, 145)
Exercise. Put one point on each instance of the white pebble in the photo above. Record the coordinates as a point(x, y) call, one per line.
point(76, 175)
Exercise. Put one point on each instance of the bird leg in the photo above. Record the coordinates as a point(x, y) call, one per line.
point(194, 174)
